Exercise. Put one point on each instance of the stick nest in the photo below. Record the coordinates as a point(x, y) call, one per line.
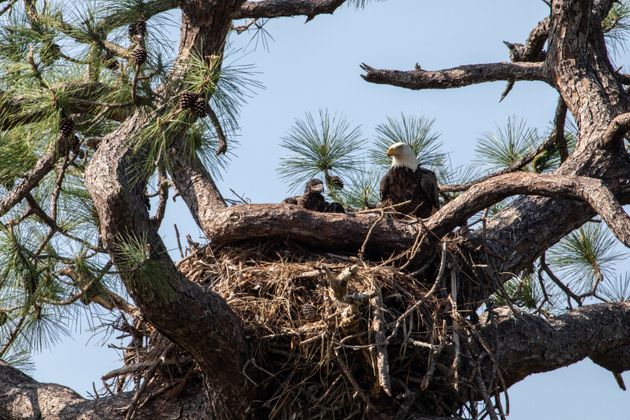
point(333, 337)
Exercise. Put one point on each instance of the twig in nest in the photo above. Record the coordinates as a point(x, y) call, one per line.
point(380, 350)
point(147, 378)
point(369, 234)
point(357, 389)
point(486, 397)
point(437, 281)
point(456, 338)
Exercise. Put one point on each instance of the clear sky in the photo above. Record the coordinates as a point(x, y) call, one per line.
point(316, 65)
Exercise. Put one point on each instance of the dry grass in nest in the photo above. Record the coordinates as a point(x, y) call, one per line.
point(321, 348)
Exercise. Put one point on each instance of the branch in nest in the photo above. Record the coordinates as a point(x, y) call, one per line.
point(380, 349)
point(338, 286)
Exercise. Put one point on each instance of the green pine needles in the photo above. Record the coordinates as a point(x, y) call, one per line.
point(320, 145)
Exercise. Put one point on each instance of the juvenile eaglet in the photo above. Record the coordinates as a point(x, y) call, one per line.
point(313, 199)
point(406, 181)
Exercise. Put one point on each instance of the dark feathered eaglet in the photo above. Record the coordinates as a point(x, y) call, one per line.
point(405, 181)
point(313, 199)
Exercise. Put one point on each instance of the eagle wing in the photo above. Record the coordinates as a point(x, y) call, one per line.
point(429, 185)
point(385, 189)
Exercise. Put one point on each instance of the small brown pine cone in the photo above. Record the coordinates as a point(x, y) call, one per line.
point(139, 55)
point(66, 127)
point(140, 27)
point(187, 100)
point(201, 107)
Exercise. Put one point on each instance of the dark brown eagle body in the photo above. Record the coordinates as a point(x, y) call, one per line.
point(418, 186)
point(314, 200)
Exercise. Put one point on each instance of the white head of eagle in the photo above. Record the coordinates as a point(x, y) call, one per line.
point(402, 155)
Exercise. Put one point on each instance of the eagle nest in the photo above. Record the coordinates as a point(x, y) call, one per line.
point(329, 336)
point(334, 337)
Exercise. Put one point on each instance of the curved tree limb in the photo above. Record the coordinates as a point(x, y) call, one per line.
point(341, 231)
point(616, 130)
point(527, 344)
point(23, 397)
point(457, 76)
point(284, 8)
point(590, 190)
point(199, 321)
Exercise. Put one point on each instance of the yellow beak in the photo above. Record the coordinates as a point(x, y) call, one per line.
point(391, 152)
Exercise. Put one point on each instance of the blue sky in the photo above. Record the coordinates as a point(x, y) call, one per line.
point(316, 65)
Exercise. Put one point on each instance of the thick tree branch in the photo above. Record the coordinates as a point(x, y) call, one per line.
point(22, 397)
point(528, 344)
point(616, 130)
point(282, 8)
point(590, 190)
point(341, 231)
point(199, 321)
point(195, 185)
point(457, 76)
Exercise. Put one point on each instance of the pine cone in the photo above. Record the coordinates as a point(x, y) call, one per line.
point(335, 182)
point(140, 27)
point(139, 55)
point(66, 127)
point(201, 107)
point(187, 100)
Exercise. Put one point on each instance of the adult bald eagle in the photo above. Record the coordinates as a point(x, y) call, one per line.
point(405, 181)
point(313, 199)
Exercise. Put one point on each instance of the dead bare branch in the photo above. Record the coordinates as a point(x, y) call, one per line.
point(457, 76)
